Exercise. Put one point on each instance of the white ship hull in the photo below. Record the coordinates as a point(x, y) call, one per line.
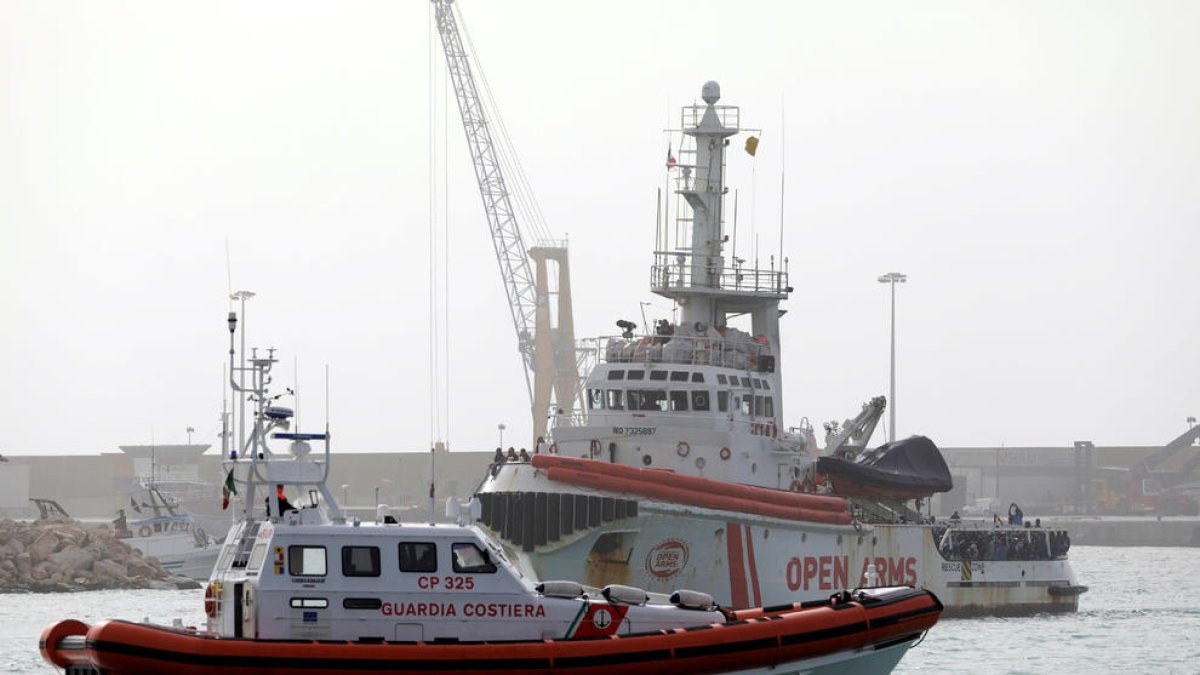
point(748, 560)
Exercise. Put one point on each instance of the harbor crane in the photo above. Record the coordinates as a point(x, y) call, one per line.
point(548, 351)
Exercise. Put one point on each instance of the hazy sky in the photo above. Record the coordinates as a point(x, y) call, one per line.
point(1034, 167)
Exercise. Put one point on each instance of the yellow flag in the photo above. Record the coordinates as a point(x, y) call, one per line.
point(751, 145)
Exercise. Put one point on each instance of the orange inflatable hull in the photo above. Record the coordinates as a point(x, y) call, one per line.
point(759, 637)
point(695, 491)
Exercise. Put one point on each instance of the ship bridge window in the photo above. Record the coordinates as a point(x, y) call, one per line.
point(746, 382)
point(306, 561)
point(679, 376)
point(769, 411)
point(616, 374)
point(700, 400)
point(723, 401)
point(757, 383)
point(616, 399)
point(766, 384)
point(257, 556)
point(636, 375)
point(648, 399)
point(595, 399)
point(418, 556)
point(720, 378)
point(360, 561)
point(698, 377)
point(679, 401)
point(468, 559)
point(658, 375)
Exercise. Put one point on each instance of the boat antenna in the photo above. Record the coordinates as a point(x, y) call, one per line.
point(296, 389)
point(782, 168)
point(432, 475)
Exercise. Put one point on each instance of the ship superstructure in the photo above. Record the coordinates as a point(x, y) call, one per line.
point(703, 398)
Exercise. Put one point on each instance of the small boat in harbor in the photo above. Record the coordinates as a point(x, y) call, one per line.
point(308, 589)
point(169, 534)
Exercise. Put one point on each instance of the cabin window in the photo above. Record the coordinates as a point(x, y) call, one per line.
point(616, 399)
point(362, 603)
point(679, 376)
point(616, 374)
point(658, 375)
point(679, 401)
point(648, 399)
point(720, 378)
point(309, 603)
point(418, 556)
point(698, 377)
point(636, 375)
point(746, 382)
point(746, 403)
point(723, 401)
point(257, 556)
point(760, 407)
point(757, 383)
point(699, 400)
point(769, 411)
point(469, 559)
point(766, 384)
point(360, 561)
point(306, 561)
point(595, 399)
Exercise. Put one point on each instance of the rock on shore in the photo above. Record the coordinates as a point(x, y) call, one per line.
point(59, 554)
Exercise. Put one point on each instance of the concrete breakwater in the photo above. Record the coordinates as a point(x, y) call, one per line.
point(60, 554)
point(1129, 530)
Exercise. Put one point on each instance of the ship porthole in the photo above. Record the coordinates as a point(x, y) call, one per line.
point(700, 462)
point(647, 460)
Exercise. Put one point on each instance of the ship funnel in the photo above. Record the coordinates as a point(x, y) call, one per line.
point(711, 92)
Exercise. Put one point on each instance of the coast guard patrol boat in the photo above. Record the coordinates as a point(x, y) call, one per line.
point(679, 468)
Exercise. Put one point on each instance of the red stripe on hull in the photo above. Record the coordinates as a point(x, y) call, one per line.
point(753, 568)
point(737, 566)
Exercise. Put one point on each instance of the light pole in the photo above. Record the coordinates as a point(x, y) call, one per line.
point(501, 427)
point(892, 278)
point(189, 433)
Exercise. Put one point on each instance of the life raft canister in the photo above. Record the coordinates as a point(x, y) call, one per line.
point(726, 453)
point(683, 449)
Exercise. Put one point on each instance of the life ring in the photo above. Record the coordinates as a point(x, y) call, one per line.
point(144, 531)
point(210, 601)
point(553, 449)
point(725, 453)
point(700, 401)
point(683, 449)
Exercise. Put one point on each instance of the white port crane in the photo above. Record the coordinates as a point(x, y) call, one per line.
point(548, 351)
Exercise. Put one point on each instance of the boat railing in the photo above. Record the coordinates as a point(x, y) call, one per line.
point(728, 115)
point(677, 271)
point(742, 353)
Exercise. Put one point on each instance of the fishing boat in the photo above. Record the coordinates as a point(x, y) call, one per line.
point(163, 529)
point(309, 589)
point(682, 470)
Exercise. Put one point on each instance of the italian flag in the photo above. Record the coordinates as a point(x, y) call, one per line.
point(230, 487)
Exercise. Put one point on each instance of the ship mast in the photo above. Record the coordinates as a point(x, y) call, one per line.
point(693, 272)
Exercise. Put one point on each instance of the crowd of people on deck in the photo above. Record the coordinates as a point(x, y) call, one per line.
point(1032, 542)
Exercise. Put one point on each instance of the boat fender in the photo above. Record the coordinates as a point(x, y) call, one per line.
point(726, 454)
point(692, 600)
point(553, 449)
point(560, 589)
point(144, 531)
point(683, 449)
point(627, 595)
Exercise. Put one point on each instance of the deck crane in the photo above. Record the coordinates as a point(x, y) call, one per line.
point(548, 351)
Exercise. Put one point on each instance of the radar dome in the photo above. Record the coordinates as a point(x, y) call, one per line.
point(710, 92)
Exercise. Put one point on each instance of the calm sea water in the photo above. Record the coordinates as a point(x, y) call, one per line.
point(1140, 616)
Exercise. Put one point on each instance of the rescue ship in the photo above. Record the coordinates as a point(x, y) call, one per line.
point(309, 589)
point(682, 429)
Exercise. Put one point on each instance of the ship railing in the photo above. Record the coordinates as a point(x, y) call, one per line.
point(742, 354)
point(677, 271)
point(728, 115)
